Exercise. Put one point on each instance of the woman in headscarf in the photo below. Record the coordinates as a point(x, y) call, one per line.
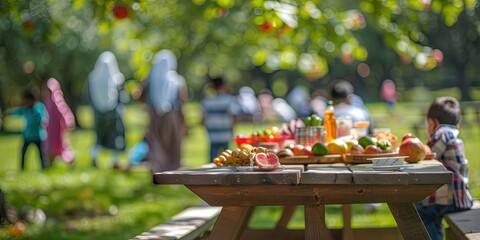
point(165, 92)
point(60, 119)
point(105, 87)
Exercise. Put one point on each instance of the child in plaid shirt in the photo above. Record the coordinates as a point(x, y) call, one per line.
point(443, 118)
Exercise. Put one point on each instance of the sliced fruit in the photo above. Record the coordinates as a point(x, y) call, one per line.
point(266, 159)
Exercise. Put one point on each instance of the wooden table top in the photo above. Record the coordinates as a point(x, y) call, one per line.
point(424, 172)
point(312, 186)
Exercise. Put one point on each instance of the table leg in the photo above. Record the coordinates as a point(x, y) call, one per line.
point(231, 222)
point(408, 221)
point(347, 223)
point(287, 214)
point(315, 227)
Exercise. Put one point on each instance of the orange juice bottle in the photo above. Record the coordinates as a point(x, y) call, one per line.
point(329, 123)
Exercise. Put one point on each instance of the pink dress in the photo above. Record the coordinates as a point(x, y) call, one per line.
point(60, 118)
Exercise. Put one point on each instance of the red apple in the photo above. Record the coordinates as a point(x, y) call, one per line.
point(297, 149)
point(413, 148)
point(372, 149)
point(357, 149)
point(407, 136)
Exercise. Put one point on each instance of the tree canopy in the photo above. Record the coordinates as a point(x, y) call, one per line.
point(313, 41)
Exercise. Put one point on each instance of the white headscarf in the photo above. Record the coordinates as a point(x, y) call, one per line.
point(104, 83)
point(163, 82)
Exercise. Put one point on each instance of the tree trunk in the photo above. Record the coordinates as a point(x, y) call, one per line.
point(462, 81)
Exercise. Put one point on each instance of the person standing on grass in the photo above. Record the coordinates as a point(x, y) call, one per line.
point(34, 130)
point(106, 95)
point(165, 91)
point(60, 120)
point(219, 112)
point(443, 122)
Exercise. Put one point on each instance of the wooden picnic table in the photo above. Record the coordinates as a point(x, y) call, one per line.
point(312, 186)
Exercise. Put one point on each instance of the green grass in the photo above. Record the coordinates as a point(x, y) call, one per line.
point(86, 203)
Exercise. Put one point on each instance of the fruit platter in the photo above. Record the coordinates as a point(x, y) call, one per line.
point(248, 158)
point(289, 145)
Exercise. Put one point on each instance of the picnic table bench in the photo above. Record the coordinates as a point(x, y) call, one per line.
point(313, 187)
point(191, 223)
point(464, 225)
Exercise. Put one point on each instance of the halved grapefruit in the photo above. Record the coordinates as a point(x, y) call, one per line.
point(266, 160)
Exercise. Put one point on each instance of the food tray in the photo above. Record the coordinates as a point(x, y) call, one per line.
point(311, 159)
point(362, 158)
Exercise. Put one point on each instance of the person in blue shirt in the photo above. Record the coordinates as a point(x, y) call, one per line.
point(219, 112)
point(34, 130)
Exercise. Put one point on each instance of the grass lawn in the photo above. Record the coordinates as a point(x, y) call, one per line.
point(85, 203)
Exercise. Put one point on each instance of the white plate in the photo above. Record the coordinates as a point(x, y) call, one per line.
point(390, 168)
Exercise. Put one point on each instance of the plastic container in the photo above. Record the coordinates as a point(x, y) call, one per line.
point(344, 126)
point(360, 129)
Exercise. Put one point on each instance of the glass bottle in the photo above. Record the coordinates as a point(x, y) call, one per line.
point(329, 123)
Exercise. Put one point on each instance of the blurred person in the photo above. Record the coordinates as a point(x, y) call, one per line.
point(265, 98)
point(248, 103)
point(318, 104)
point(34, 131)
point(341, 95)
point(219, 116)
point(284, 110)
point(298, 99)
point(165, 92)
point(60, 120)
point(388, 93)
point(443, 124)
point(3, 208)
point(107, 97)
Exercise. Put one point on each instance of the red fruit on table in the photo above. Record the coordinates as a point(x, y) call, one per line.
point(407, 136)
point(266, 159)
point(372, 149)
point(297, 149)
point(357, 149)
point(413, 148)
point(306, 151)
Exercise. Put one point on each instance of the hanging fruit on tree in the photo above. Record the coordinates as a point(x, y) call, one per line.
point(120, 11)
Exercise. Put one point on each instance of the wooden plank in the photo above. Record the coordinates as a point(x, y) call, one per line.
point(255, 195)
point(188, 224)
point(464, 223)
point(231, 223)
point(427, 172)
point(287, 214)
point(364, 174)
point(295, 166)
point(391, 233)
point(315, 227)
point(347, 224)
point(408, 221)
point(326, 176)
point(336, 173)
point(276, 234)
point(228, 176)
